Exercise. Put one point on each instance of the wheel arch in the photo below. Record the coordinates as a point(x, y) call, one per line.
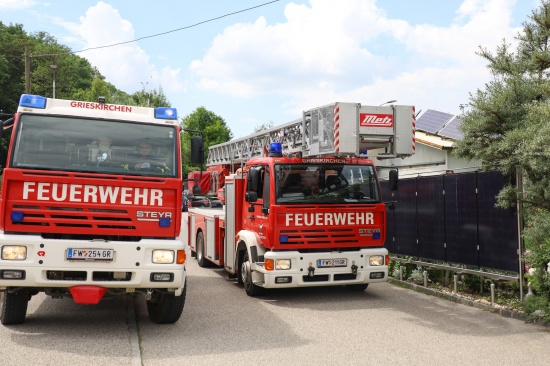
point(247, 242)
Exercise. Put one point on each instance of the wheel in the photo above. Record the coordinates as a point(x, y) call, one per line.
point(14, 306)
point(246, 278)
point(200, 250)
point(166, 308)
point(359, 287)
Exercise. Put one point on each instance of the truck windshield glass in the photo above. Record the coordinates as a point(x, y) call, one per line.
point(326, 183)
point(90, 145)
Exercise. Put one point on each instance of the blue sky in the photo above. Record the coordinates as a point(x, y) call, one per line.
point(270, 63)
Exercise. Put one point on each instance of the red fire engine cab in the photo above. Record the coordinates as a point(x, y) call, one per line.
point(304, 208)
point(91, 206)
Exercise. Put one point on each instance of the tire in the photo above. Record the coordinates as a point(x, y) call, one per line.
point(200, 250)
point(14, 306)
point(246, 278)
point(166, 308)
point(359, 287)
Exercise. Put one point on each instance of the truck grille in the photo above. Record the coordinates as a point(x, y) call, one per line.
point(83, 276)
point(74, 217)
point(344, 236)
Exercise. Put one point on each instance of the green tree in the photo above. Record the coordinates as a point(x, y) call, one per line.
point(214, 131)
point(72, 73)
point(13, 41)
point(151, 98)
point(263, 127)
point(507, 126)
point(508, 129)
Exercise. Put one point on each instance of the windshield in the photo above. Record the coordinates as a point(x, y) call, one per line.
point(326, 183)
point(90, 145)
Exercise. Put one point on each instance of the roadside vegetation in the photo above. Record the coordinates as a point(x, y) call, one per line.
point(508, 129)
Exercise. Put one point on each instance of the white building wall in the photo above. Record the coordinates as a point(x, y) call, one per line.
point(427, 160)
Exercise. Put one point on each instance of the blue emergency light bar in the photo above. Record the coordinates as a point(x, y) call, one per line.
point(166, 113)
point(275, 149)
point(37, 101)
point(32, 101)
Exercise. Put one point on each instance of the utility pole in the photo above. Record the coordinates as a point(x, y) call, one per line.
point(27, 71)
point(54, 69)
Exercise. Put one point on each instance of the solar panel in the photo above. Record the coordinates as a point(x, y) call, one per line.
point(432, 121)
point(451, 130)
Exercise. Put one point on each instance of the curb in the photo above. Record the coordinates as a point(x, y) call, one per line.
point(507, 313)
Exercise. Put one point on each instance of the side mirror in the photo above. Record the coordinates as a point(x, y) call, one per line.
point(196, 190)
point(197, 150)
point(393, 179)
point(253, 178)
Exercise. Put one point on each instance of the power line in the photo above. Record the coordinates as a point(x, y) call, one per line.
point(160, 34)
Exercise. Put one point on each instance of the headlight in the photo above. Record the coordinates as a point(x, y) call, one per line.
point(14, 252)
point(282, 264)
point(163, 256)
point(376, 260)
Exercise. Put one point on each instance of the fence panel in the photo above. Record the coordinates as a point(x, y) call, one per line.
point(405, 219)
point(452, 218)
point(431, 217)
point(461, 231)
point(498, 229)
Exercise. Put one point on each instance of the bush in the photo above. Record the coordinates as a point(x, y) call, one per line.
point(533, 304)
point(417, 275)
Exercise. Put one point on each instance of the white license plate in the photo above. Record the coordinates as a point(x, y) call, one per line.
point(340, 262)
point(90, 254)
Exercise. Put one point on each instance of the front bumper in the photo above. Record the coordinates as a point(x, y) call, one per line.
point(306, 270)
point(47, 266)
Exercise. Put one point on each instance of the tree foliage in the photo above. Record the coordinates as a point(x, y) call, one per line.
point(213, 128)
point(507, 127)
point(75, 78)
point(263, 127)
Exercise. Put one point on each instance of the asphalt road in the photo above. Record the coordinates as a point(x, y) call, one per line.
point(221, 325)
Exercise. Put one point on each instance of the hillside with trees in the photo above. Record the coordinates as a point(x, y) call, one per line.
point(77, 79)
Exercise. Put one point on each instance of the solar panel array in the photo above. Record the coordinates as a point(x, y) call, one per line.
point(451, 130)
point(432, 121)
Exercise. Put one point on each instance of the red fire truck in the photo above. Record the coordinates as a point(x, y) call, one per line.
point(91, 206)
point(305, 207)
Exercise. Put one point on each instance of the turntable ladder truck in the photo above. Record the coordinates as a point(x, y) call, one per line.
point(304, 208)
point(82, 216)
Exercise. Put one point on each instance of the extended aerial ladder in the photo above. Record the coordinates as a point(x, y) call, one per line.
point(339, 129)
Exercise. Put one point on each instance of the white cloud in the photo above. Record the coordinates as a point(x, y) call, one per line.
point(127, 66)
point(330, 51)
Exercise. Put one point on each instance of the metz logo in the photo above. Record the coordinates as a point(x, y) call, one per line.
point(375, 120)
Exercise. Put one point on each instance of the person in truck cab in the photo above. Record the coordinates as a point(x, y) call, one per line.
point(144, 150)
point(103, 156)
point(140, 159)
point(145, 161)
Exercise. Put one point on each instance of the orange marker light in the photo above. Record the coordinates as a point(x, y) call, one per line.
point(181, 257)
point(269, 264)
